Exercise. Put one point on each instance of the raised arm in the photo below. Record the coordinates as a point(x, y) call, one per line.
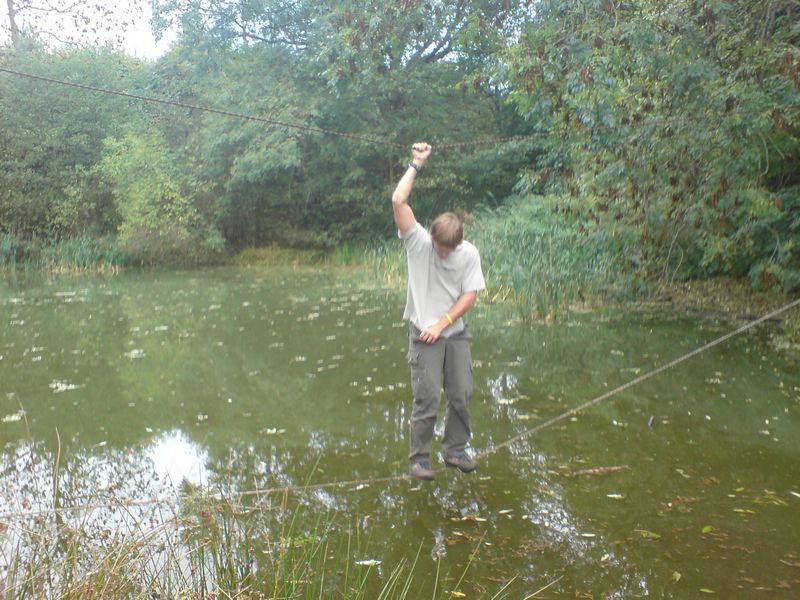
point(403, 215)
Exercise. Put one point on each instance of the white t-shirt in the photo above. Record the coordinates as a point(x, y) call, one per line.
point(435, 283)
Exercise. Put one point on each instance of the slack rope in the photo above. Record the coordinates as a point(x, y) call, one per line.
point(266, 120)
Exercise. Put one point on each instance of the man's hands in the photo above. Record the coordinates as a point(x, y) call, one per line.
point(420, 153)
point(434, 332)
point(403, 215)
point(462, 305)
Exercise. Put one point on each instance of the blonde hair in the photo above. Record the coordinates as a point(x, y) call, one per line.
point(446, 230)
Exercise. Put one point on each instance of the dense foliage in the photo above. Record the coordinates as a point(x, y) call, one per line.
point(677, 120)
point(669, 132)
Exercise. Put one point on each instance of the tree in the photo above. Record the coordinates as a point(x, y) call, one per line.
point(159, 222)
point(677, 120)
point(51, 137)
point(394, 72)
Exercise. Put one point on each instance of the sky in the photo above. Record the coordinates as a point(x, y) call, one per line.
point(139, 41)
point(137, 38)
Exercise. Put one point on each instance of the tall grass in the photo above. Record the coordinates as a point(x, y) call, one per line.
point(543, 262)
point(385, 259)
point(533, 258)
point(210, 548)
point(76, 254)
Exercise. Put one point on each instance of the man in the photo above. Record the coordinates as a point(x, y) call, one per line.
point(444, 277)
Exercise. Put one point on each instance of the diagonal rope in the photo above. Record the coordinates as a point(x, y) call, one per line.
point(208, 109)
point(266, 120)
point(357, 484)
point(621, 388)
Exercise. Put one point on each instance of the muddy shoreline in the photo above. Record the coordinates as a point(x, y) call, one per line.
point(724, 298)
point(733, 300)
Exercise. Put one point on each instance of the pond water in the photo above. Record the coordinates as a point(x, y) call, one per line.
point(264, 377)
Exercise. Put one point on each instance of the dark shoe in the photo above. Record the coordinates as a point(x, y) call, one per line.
point(421, 469)
point(461, 461)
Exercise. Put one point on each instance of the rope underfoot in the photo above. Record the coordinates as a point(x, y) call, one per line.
point(358, 484)
point(638, 380)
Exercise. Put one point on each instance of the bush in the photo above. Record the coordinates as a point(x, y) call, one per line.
point(160, 223)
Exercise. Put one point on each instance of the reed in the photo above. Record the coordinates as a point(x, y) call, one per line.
point(533, 258)
point(543, 262)
point(11, 250)
point(211, 547)
point(69, 255)
point(385, 260)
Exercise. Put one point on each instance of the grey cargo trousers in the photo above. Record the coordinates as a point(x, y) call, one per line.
point(447, 358)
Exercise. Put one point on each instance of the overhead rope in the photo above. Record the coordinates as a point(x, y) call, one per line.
point(208, 109)
point(357, 484)
point(266, 120)
point(586, 128)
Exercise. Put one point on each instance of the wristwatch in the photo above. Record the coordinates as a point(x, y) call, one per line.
point(415, 166)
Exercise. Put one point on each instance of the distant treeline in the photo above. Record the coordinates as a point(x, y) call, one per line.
point(662, 138)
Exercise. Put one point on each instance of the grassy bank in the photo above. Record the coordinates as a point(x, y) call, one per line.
point(72, 255)
point(533, 259)
point(259, 548)
point(537, 260)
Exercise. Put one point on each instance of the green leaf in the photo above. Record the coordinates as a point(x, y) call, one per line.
point(648, 535)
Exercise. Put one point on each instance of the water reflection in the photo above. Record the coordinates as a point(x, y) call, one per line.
point(176, 458)
point(248, 380)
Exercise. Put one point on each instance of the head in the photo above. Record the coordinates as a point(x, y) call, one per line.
point(446, 233)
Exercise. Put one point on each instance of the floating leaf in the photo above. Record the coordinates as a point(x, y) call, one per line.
point(676, 577)
point(770, 498)
point(13, 418)
point(648, 535)
point(507, 401)
point(370, 562)
point(707, 591)
point(475, 518)
point(455, 594)
point(708, 529)
point(598, 471)
point(791, 563)
point(62, 386)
